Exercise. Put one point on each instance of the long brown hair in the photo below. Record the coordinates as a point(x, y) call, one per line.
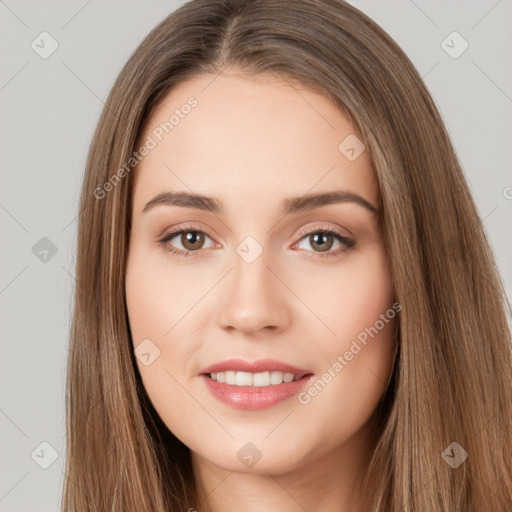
point(453, 372)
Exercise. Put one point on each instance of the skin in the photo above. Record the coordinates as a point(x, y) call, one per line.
point(251, 142)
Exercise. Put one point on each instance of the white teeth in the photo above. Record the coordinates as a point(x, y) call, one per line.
point(230, 377)
point(253, 379)
point(243, 379)
point(261, 379)
point(276, 377)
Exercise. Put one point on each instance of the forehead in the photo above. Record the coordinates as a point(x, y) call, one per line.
point(245, 139)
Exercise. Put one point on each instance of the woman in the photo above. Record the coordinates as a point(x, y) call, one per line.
point(285, 298)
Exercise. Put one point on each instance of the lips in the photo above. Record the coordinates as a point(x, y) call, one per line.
point(263, 365)
point(254, 385)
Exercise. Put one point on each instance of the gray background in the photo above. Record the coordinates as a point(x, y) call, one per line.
point(49, 109)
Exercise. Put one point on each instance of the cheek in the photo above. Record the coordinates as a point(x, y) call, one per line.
point(158, 296)
point(356, 303)
point(344, 398)
point(348, 298)
point(154, 307)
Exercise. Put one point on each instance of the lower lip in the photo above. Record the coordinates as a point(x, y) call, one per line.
point(254, 398)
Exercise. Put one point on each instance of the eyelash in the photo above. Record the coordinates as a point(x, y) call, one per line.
point(348, 243)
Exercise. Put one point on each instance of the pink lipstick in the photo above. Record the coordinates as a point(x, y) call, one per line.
point(254, 385)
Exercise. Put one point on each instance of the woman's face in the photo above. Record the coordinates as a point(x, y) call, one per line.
point(272, 276)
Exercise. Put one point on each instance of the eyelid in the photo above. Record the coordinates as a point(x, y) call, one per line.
point(321, 227)
point(181, 227)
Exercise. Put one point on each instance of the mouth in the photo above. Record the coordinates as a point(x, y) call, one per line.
point(254, 385)
point(260, 379)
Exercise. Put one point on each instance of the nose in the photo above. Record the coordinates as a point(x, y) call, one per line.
point(252, 299)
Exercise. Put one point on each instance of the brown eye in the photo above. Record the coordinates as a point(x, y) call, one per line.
point(186, 242)
point(321, 241)
point(192, 240)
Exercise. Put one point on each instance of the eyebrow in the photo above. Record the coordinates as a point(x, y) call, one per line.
point(289, 205)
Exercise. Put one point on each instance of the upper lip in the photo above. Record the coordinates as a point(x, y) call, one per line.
point(254, 367)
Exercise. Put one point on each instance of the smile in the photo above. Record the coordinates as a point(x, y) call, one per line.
point(254, 385)
point(261, 379)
